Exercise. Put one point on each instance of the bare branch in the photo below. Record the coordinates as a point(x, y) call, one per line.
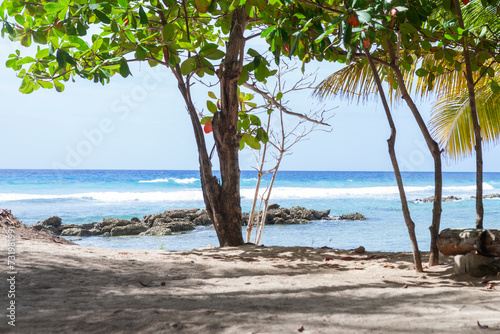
point(280, 106)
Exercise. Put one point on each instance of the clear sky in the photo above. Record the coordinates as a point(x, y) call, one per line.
point(142, 123)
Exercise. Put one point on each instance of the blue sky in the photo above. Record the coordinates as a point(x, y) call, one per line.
point(141, 123)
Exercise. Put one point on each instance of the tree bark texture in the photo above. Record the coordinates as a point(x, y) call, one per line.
point(222, 197)
point(455, 241)
point(475, 123)
point(391, 143)
point(436, 155)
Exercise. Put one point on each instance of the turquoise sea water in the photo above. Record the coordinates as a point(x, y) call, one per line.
point(85, 196)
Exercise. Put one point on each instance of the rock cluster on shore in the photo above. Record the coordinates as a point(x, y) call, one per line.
point(454, 198)
point(175, 221)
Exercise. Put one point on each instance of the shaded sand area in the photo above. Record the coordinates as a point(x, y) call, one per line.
point(64, 288)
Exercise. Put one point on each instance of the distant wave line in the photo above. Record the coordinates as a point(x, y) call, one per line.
point(172, 179)
point(196, 195)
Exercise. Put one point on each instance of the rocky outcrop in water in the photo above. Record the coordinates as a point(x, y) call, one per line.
point(353, 216)
point(178, 221)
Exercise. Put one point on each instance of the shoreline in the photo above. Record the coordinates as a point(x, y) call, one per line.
point(248, 289)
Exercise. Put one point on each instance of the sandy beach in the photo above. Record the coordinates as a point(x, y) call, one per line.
point(61, 288)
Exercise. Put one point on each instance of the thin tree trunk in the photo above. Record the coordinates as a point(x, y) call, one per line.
point(391, 142)
point(475, 123)
point(436, 155)
point(260, 173)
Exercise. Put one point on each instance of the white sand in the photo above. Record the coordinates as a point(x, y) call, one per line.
point(74, 289)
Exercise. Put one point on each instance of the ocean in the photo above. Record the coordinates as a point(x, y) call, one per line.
point(85, 196)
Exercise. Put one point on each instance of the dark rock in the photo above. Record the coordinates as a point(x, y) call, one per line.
point(445, 199)
point(293, 221)
point(38, 226)
point(273, 206)
point(53, 221)
point(162, 221)
point(279, 221)
point(182, 213)
point(87, 226)
point(180, 226)
point(491, 196)
point(109, 224)
point(353, 216)
point(135, 220)
point(203, 219)
point(359, 250)
point(72, 231)
point(94, 231)
point(298, 212)
point(50, 229)
point(130, 229)
point(157, 230)
point(65, 227)
point(319, 215)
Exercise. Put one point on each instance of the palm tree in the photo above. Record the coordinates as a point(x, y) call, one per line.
point(452, 120)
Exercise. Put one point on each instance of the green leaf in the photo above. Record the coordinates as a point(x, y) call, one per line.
point(262, 135)
point(251, 141)
point(212, 95)
point(495, 88)
point(123, 3)
point(213, 54)
point(347, 35)
point(59, 86)
point(244, 76)
point(124, 69)
point(206, 119)
point(407, 28)
point(364, 17)
point(52, 7)
point(421, 72)
point(188, 65)
point(102, 17)
point(61, 59)
point(211, 107)
point(202, 5)
point(279, 96)
point(141, 52)
point(143, 18)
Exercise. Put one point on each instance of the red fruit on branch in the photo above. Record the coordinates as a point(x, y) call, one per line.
point(125, 21)
point(208, 127)
point(286, 47)
point(58, 24)
point(353, 20)
point(366, 43)
point(465, 2)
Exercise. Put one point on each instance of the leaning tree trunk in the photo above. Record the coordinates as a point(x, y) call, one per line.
point(391, 142)
point(436, 155)
point(222, 197)
point(475, 123)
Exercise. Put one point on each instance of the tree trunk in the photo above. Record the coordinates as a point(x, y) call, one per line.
point(222, 198)
point(436, 155)
point(227, 210)
point(391, 142)
point(455, 241)
point(475, 123)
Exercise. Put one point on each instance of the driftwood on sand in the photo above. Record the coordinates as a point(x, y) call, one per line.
point(456, 241)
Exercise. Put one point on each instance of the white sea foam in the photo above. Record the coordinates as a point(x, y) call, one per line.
point(111, 196)
point(172, 179)
point(278, 193)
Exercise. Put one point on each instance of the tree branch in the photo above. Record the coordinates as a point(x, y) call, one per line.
point(280, 106)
